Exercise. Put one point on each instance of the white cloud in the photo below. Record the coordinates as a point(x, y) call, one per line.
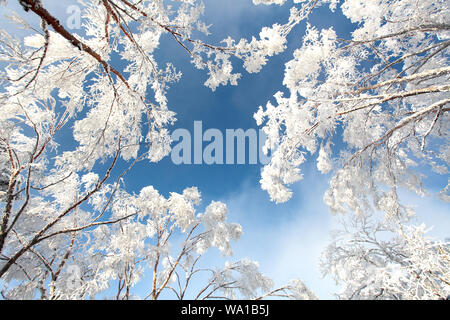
point(286, 239)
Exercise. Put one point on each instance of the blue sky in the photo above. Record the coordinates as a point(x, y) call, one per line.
point(286, 239)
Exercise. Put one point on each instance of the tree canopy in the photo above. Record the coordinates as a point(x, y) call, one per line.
point(371, 107)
